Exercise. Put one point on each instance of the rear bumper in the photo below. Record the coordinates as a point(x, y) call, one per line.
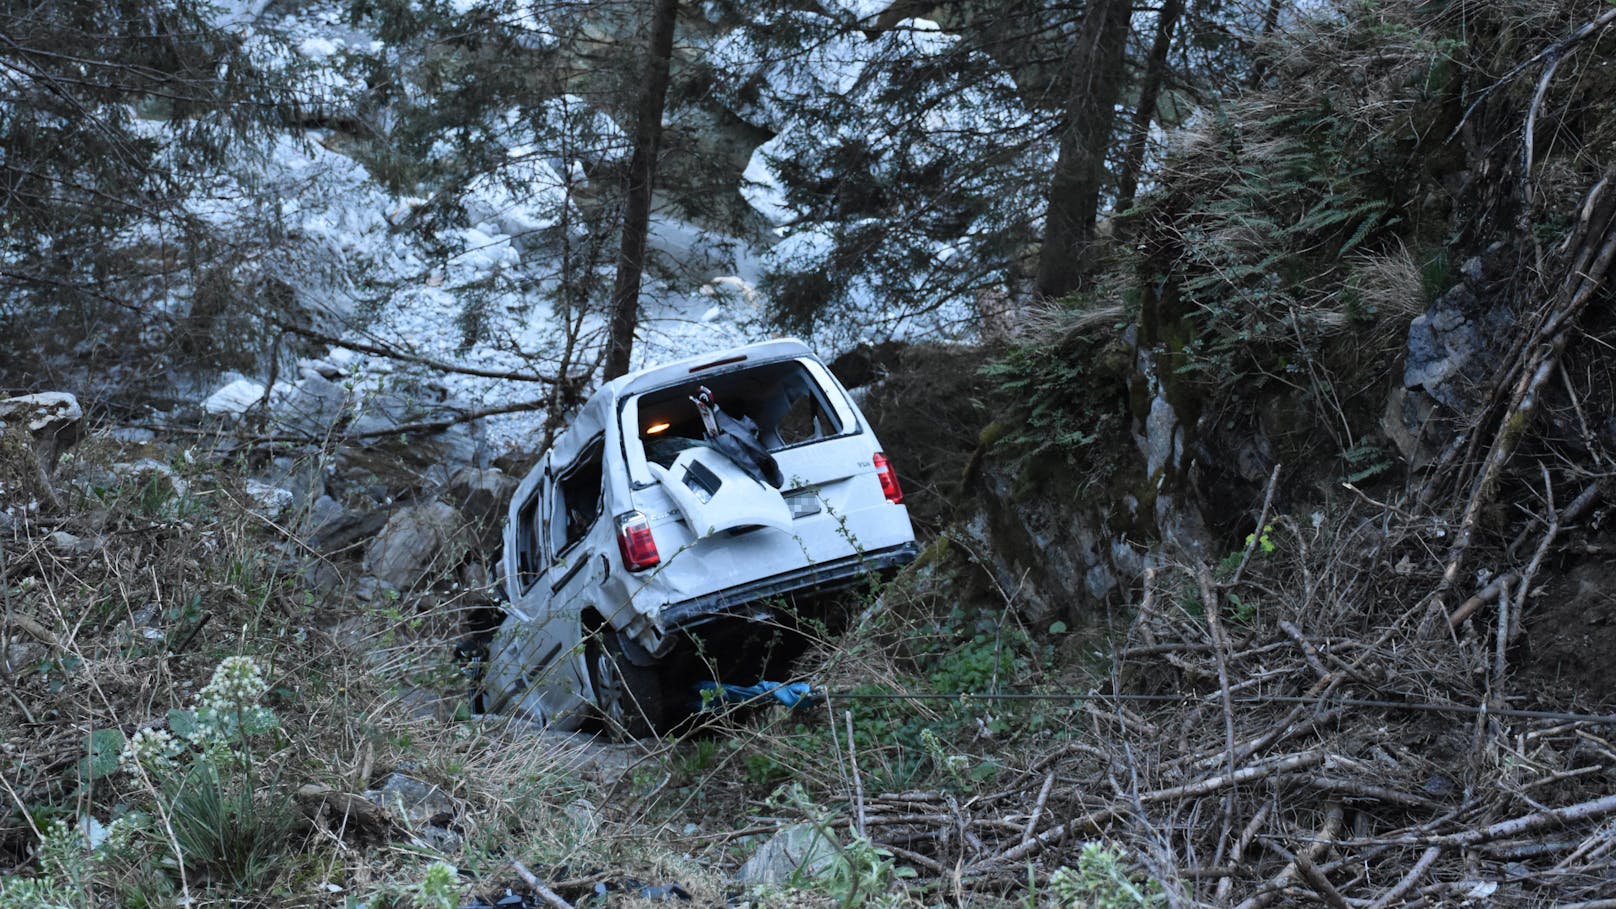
point(820, 577)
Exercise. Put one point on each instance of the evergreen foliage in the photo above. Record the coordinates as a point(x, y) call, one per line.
point(110, 115)
point(908, 162)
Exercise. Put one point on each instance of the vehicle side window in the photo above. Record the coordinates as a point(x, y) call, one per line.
point(529, 551)
point(576, 499)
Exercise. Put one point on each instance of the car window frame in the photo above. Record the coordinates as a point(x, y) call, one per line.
point(536, 529)
point(594, 449)
point(635, 464)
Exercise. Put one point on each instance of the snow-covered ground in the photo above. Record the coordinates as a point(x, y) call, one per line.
point(350, 257)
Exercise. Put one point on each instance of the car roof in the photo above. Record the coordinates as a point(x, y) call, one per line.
point(596, 414)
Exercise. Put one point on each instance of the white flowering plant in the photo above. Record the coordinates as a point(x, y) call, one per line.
point(202, 810)
point(228, 711)
point(69, 858)
point(228, 714)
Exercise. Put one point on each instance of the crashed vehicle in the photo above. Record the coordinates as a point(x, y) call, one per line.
point(691, 517)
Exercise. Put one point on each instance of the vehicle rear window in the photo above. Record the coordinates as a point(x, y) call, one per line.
point(784, 401)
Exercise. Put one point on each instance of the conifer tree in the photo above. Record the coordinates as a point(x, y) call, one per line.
point(1066, 257)
point(111, 113)
point(641, 181)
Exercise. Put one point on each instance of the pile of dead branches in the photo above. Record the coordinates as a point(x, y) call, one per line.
point(1306, 751)
point(1333, 715)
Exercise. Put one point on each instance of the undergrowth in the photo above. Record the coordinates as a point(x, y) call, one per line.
point(186, 708)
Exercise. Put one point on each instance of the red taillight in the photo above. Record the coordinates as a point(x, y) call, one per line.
point(635, 542)
point(889, 479)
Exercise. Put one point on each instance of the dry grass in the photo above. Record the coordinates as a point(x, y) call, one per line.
point(114, 631)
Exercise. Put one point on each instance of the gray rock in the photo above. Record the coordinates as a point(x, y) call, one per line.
point(314, 406)
point(482, 494)
point(386, 410)
point(69, 544)
point(53, 418)
point(346, 528)
point(132, 435)
point(425, 809)
point(322, 511)
point(302, 477)
point(418, 541)
point(154, 474)
point(271, 500)
point(1452, 349)
point(1451, 345)
point(796, 852)
point(22, 656)
point(414, 800)
point(435, 453)
point(325, 369)
point(323, 576)
point(584, 814)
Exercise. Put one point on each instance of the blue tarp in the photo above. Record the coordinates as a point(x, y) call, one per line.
point(791, 694)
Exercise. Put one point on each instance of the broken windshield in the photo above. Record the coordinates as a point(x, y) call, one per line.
point(784, 403)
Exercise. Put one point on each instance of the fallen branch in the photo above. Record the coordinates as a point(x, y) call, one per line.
point(545, 893)
point(1244, 840)
point(425, 426)
point(33, 629)
point(1320, 884)
point(1538, 820)
point(1095, 820)
point(1257, 535)
point(1315, 848)
point(393, 353)
point(1595, 247)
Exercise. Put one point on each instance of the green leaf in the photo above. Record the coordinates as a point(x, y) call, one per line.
point(182, 722)
point(1057, 628)
point(102, 749)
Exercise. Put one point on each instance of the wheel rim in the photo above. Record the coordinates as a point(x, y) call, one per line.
point(609, 687)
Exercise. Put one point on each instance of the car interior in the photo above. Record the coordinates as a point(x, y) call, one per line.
point(782, 400)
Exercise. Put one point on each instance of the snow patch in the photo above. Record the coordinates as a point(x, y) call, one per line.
point(317, 48)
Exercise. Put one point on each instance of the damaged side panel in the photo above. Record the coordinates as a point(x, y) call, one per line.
point(679, 497)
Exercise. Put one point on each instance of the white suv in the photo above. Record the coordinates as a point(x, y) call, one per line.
point(680, 529)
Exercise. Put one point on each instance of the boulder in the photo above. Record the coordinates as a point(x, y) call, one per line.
point(482, 494)
point(53, 418)
point(271, 500)
point(238, 396)
point(70, 544)
point(159, 483)
point(314, 406)
point(418, 541)
point(341, 529)
point(796, 852)
point(439, 452)
point(425, 809)
point(1452, 350)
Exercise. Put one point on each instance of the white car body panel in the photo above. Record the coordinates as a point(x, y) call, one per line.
point(829, 524)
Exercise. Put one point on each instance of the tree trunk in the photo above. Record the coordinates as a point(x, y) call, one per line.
point(1145, 111)
point(1270, 21)
point(641, 177)
point(1066, 259)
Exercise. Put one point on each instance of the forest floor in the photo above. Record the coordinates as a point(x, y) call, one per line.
point(1236, 735)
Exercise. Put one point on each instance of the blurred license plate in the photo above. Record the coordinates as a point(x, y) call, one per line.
point(803, 504)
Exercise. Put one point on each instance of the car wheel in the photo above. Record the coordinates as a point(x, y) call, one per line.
point(471, 654)
point(627, 697)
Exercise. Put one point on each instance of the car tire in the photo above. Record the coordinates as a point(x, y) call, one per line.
point(628, 698)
